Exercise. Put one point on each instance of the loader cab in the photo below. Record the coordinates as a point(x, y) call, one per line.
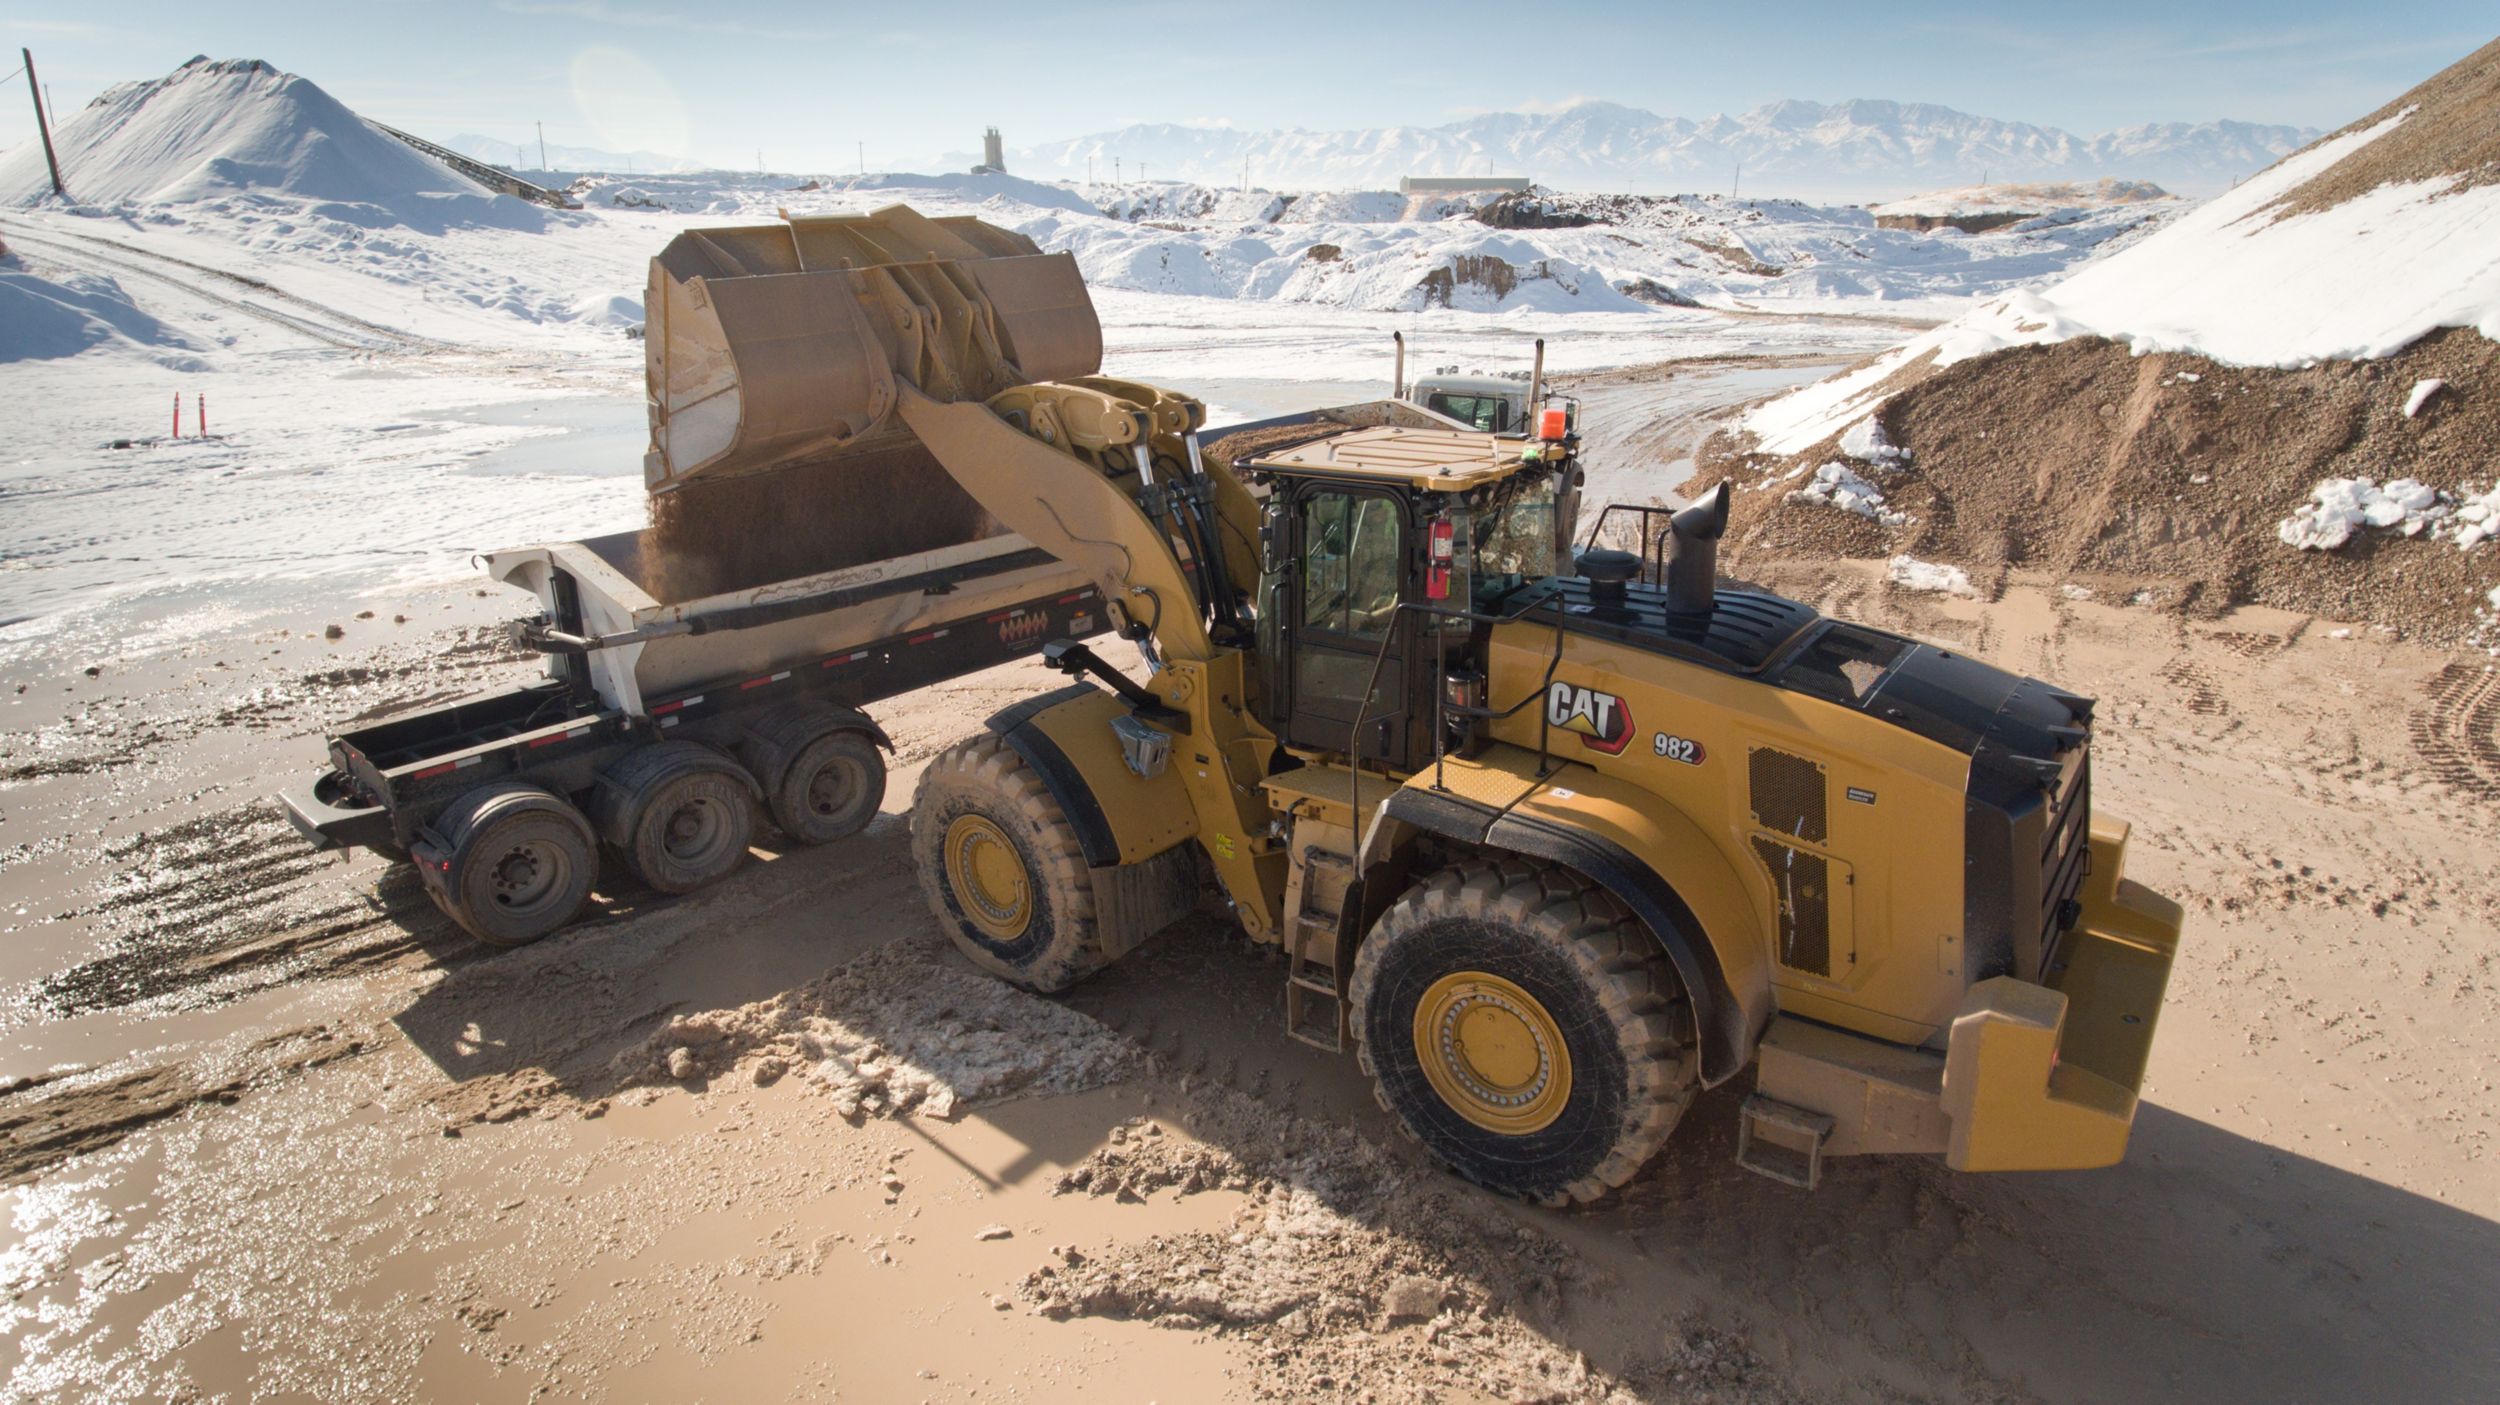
point(1360, 526)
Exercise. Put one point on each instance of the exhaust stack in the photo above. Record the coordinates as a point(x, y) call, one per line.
point(1693, 561)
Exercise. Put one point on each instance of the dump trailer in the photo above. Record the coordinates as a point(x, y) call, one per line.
point(665, 728)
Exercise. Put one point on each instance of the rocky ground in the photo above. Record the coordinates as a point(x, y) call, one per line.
point(2161, 479)
point(275, 1129)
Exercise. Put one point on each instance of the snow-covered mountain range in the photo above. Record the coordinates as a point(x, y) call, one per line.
point(524, 155)
point(1861, 150)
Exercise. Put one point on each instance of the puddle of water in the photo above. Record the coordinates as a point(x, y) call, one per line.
point(588, 438)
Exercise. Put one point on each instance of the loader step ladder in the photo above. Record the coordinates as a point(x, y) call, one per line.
point(1315, 907)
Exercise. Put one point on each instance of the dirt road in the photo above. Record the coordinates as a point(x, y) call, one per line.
point(309, 1141)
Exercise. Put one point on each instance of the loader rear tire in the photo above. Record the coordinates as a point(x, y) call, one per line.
point(522, 862)
point(1524, 1026)
point(681, 813)
point(1004, 873)
point(823, 777)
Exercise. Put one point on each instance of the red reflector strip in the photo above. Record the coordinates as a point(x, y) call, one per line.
point(1072, 599)
point(925, 638)
point(462, 764)
point(1002, 615)
point(753, 683)
point(839, 659)
point(565, 736)
point(672, 707)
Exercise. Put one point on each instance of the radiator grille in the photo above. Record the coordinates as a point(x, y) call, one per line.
point(1802, 883)
point(1788, 794)
point(2065, 855)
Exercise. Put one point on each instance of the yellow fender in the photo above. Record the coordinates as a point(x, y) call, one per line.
point(1644, 851)
point(1120, 817)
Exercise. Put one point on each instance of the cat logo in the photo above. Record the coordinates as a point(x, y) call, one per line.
point(1601, 719)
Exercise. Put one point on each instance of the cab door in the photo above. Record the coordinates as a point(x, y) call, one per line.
point(1350, 566)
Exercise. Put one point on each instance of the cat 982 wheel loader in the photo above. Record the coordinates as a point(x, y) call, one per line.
point(1551, 844)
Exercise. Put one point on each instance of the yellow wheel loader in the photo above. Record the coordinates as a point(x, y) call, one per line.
point(1550, 842)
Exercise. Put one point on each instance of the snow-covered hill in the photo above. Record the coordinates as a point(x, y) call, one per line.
point(1850, 151)
point(1561, 253)
point(2351, 249)
point(240, 130)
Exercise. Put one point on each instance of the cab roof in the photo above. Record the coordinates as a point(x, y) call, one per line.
point(1440, 460)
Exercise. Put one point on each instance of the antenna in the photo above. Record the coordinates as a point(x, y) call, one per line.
point(542, 146)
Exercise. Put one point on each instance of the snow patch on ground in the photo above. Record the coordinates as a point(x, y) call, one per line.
point(42, 319)
point(2421, 395)
point(1866, 442)
point(1835, 485)
point(2341, 508)
point(1910, 573)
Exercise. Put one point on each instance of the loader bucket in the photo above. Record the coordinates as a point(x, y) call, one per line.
point(773, 346)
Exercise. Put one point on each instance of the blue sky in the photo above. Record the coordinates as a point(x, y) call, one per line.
point(804, 82)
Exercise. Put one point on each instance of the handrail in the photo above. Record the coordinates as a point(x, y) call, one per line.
point(1653, 544)
point(1441, 707)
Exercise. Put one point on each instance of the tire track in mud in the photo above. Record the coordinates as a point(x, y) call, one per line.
point(343, 330)
point(90, 1112)
point(226, 905)
point(2456, 730)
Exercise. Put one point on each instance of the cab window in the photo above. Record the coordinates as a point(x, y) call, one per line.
point(1487, 413)
point(1349, 563)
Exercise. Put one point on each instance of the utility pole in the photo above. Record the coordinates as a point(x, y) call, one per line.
point(1738, 183)
point(43, 124)
point(863, 158)
point(1245, 173)
point(1089, 171)
point(542, 146)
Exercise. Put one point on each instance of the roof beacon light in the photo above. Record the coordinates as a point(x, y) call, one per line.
point(1553, 425)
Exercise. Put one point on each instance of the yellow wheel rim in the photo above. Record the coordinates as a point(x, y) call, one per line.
point(1493, 1053)
point(988, 876)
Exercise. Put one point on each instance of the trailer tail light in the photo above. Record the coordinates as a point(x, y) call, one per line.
point(1442, 545)
point(1552, 426)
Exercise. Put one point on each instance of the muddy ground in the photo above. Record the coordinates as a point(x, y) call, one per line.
point(274, 1129)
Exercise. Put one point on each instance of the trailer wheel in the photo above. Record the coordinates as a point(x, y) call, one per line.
point(1002, 868)
point(822, 774)
point(1523, 1026)
point(680, 812)
point(522, 863)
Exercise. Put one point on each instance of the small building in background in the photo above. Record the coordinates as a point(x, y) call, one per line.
point(1460, 185)
point(993, 154)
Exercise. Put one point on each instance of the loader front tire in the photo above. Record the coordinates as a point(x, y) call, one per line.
point(1002, 868)
point(1524, 1026)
